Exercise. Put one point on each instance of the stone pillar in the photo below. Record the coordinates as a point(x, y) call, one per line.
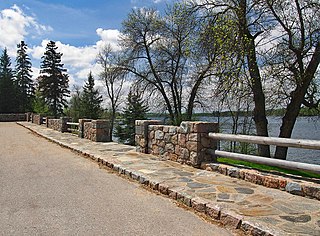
point(97, 130)
point(101, 130)
point(37, 119)
point(197, 141)
point(81, 127)
point(141, 136)
point(63, 124)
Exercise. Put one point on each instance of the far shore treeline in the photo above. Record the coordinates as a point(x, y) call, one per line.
point(226, 58)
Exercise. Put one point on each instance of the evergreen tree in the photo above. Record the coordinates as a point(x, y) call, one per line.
point(135, 110)
point(39, 104)
point(8, 101)
point(53, 82)
point(23, 78)
point(90, 100)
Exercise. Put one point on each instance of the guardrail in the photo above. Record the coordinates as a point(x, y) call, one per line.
point(44, 120)
point(73, 127)
point(284, 142)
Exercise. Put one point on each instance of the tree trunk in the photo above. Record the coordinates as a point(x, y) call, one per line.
point(286, 128)
point(293, 108)
point(113, 114)
point(259, 112)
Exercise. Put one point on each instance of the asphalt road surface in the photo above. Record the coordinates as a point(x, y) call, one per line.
point(48, 190)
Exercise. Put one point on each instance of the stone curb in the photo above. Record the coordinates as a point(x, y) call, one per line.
point(215, 212)
point(296, 187)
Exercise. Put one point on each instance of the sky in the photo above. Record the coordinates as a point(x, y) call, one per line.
point(79, 27)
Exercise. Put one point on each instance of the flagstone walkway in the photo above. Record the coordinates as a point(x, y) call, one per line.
point(254, 209)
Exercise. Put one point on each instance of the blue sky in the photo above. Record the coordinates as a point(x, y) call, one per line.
point(79, 27)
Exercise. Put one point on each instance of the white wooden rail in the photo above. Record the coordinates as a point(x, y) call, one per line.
point(285, 142)
point(73, 124)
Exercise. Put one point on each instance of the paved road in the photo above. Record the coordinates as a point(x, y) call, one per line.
point(48, 190)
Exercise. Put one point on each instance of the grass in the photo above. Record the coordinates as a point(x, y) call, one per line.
point(268, 168)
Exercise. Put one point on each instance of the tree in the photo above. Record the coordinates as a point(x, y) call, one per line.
point(113, 77)
point(53, 82)
point(135, 110)
point(23, 78)
point(39, 105)
point(74, 109)
point(90, 100)
point(167, 55)
point(280, 42)
point(248, 23)
point(8, 100)
point(295, 59)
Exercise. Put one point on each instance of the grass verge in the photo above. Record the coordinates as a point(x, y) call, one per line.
point(267, 168)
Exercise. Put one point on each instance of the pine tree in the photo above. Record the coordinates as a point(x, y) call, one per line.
point(135, 110)
point(8, 101)
point(39, 104)
point(54, 82)
point(90, 100)
point(23, 78)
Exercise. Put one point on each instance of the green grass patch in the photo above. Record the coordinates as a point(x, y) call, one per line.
point(267, 167)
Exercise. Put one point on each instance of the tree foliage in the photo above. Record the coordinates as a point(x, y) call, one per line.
point(23, 78)
point(90, 100)
point(8, 91)
point(164, 53)
point(279, 44)
point(135, 110)
point(53, 81)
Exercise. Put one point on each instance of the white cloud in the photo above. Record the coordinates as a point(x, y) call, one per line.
point(108, 36)
point(15, 25)
point(81, 60)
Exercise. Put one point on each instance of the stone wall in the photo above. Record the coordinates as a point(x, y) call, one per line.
point(81, 127)
point(97, 130)
point(58, 124)
point(13, 117)
point(54, 124)
point(188, 143)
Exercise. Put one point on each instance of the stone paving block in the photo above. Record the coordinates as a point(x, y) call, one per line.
point(294, 188)
point(110, 164)
point(254, 229)
point(121, 170)
point(143, 180)
point(134, 176)
point(270, 182)
point(184, 198)
point(222, 169)
point(213, 211)
point(154, 185)
point(311, 191)
point(199, 204)
point(253, 177)
point(230, 219)
point(163, 188)
point(172, 194)
point(233, 172)
point(127, 173)
point(115, 168)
